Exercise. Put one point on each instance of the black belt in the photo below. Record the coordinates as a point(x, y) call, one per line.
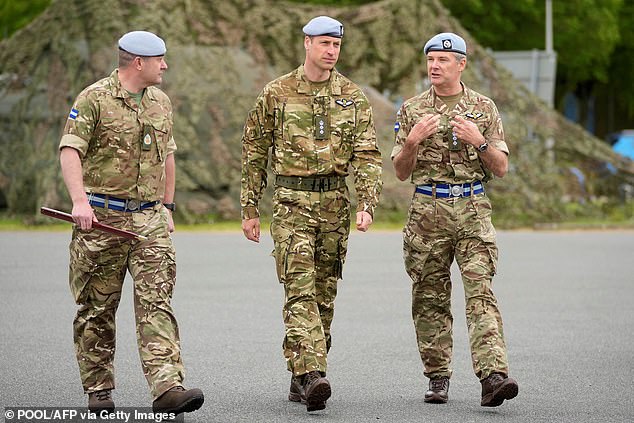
point(311, 183)
point(119, 204)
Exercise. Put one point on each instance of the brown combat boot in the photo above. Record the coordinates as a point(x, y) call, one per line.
point(179, 400)
point(100, 400)
point(438, 392)
point(296, 393)
point(496, 388)
point(316, 390)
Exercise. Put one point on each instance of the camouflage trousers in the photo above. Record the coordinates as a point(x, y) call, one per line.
point(98, 265)
point(438, 230)
point(310, 234)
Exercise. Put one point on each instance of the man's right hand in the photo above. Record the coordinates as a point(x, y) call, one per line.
point(405, 161)
point(83, 215)
point(251, 229)
point(426, 126)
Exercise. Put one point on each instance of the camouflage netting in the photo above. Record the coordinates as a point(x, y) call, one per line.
point(220, 55)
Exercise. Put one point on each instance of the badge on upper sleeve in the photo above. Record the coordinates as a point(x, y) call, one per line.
point(397, 126)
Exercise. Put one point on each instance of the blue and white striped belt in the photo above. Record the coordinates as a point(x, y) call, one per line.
point(451, 190)
point(119, 204)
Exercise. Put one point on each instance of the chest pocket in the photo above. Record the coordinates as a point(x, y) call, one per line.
point(431, 150)
point(290, 123)
point(159, 132)
point(296, 122)
point(116, 133)
point(343, 121)
point(480, 119)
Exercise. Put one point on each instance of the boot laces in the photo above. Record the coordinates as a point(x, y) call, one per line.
point(311, 377)
point(103, 395)
point(496, 378)
point(439, 384)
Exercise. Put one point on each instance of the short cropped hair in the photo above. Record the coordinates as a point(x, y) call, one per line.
point(125, 58)
point(460, 56)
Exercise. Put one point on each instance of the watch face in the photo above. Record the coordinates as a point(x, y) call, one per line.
point(483, 147)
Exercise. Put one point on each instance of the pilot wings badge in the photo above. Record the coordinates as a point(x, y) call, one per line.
point(344, 103)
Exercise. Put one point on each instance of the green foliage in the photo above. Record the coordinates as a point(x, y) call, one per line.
point(16, 14)
point(588, 35)
point(497, 23)
point(334, 2)
point(585, 32)
point(622, 61)
point(594, 41)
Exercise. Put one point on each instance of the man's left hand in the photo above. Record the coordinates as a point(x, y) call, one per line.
point(467, 131)
point(364, 220)
point(170, 221)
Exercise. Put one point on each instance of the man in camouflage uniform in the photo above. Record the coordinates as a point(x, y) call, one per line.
point(317, 123)
point(448, 140)
point(117, 159)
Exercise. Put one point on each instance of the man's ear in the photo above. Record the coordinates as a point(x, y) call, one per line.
point(138, 63)
point(463, 64)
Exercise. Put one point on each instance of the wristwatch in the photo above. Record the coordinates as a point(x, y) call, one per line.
point(170, 206)
point(482, 148)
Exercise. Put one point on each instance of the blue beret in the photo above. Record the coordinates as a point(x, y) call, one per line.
point(446, 41)
point(142, 43)
point(324, 25)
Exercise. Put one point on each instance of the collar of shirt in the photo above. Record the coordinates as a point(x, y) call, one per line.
point(303, 84)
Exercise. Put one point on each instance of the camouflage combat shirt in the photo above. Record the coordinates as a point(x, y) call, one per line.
point(435, 161)
point(123, 146)
point(312, 132)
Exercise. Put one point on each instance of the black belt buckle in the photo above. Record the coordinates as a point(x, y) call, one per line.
point(326, 183)
point(322, 184)
point(314, 184)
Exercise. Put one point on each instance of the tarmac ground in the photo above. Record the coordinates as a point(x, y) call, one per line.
point(567, 301)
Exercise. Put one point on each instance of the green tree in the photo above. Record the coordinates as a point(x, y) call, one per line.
point(335, 2)
point(501, 25)
point(618, 87)
point(16, 14)
point(585, 31)
point(592, 39)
